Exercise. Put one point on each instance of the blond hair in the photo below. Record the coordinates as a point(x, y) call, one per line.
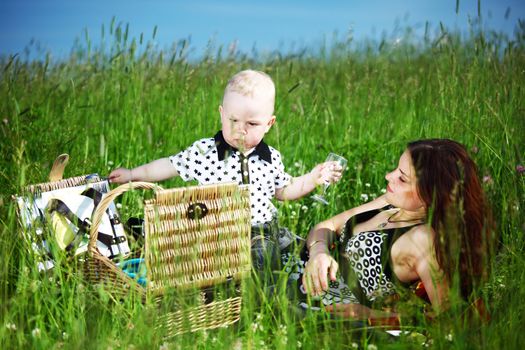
point(252, 83)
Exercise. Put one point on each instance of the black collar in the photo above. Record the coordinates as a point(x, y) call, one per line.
point(224, 148)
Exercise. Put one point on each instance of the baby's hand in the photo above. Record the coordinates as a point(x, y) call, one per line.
point(120, 176)
point(328, 172)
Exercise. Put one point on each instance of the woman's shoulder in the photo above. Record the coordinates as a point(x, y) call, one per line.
point(422, 232)
point(421, 238)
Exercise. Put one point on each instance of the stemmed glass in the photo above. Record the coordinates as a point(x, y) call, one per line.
point(332, 157)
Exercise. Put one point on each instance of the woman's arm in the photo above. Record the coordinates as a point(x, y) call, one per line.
point(427, 268)
point(325, 230)
point(321, 265)
point(435, 283)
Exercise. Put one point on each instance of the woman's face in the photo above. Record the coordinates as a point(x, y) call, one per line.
point(401, 190)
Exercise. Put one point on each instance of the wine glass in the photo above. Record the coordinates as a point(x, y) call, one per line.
point(332, 157)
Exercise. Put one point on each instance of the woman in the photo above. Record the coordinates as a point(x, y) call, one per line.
point(431, 223)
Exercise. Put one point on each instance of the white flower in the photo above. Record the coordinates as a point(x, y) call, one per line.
point(36, 333)
point(65, 336)
point(164, 346)
point(367, 185)
point(449, 337)
point(297, 165)
point(371, 347)
point(119, 205)
point(257, 325)
point(110, 163)
point(354, 346)
point(383, 190)
point(304, 208)
point(11, 326)
point(364, 197)
point(237, 345)
point(299, 344)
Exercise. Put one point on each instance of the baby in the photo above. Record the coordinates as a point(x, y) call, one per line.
point(238, 153)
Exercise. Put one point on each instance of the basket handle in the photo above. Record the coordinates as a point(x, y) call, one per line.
point(57, 171)
point(96, 218)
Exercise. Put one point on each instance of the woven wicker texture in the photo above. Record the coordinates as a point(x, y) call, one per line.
point(194, 237)
point(207, 316)
point(55, 185)
point(99, 269)
point(102, 272)
point(209, 247)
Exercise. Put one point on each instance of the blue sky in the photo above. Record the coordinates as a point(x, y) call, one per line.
point(269, 24)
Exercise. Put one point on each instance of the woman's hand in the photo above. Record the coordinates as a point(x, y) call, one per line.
point(354, 311)
point(120, 176)
point(318, 268)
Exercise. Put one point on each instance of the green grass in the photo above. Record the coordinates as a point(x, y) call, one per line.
point(127, 104)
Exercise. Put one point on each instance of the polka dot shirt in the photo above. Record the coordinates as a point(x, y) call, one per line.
point(213, 160)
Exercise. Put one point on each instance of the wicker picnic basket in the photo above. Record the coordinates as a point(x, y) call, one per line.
point(32, 206)
point(195, 237)
point(32, 220)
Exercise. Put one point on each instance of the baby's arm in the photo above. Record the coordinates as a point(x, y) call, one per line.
point(158, 170)
point(302, 185)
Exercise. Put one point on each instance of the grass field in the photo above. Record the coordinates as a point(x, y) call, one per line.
point(127, 104)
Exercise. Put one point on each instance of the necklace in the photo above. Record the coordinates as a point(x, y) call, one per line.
point(389, 221)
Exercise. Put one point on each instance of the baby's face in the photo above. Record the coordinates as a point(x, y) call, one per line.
point(245, 120)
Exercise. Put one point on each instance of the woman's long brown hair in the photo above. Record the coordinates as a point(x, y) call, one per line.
point(448, 184)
